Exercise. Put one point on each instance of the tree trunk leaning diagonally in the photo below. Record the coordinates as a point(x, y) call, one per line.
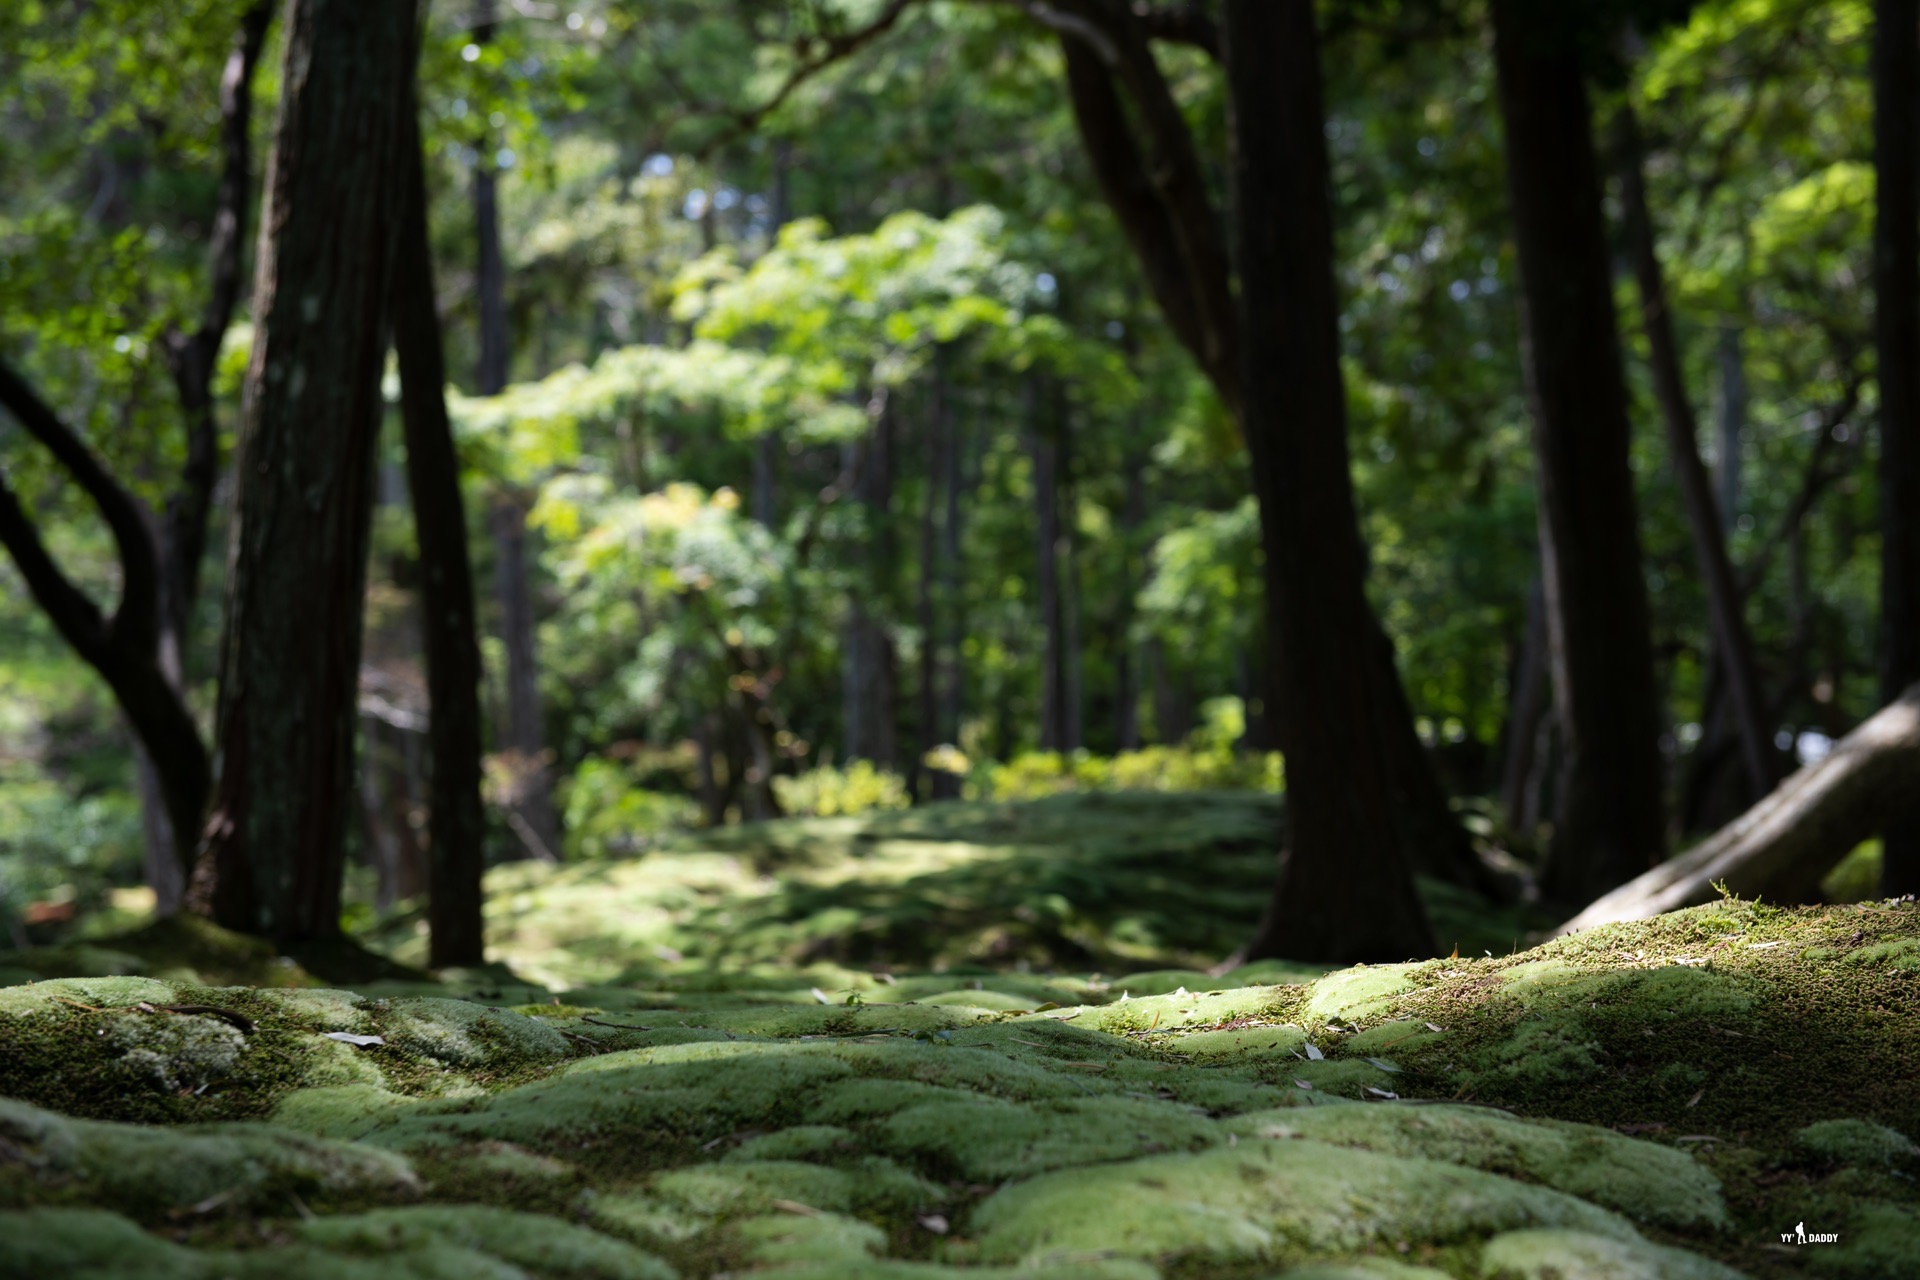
point(290, 659)
point(1733, 641)
point(1896, 273)
point(1345, 890)
point(1782, 846)
point(1610, 819)
point(456, 813)
point(1184, 270)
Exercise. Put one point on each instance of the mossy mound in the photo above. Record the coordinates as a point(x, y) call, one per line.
point(1654, 1100)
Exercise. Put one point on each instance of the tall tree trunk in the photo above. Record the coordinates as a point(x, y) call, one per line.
point(530, 806)
point(1043, 441)
point(1730, 421)
point(1528, 704)
point(1733, 642)
point(922, 778)
point(457, 826)
point(871, 687)
point(1610, 815)
point(954, 485)
point(1073, 697)
point(1896, 275)
point(1345, 890)
point(1150, 172)
point(290, 661)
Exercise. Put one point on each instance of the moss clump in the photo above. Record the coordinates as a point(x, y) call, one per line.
point(1581, 1255)
point(459, 1034)
point(147, 1172)
point(1853, 1141)
point(1268, 1202)
point(1647, 1183)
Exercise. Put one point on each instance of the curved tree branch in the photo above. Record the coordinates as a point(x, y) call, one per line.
point(137, 618)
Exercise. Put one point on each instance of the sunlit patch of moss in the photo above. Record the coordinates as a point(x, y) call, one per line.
point(1270, 1202)
point(1855, 1141)
point(1557, 1254)
point(1646, 1182)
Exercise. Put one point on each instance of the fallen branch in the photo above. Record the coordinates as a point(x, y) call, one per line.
point(1782, 846)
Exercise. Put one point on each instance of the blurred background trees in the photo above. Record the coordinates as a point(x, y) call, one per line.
point(849, 413)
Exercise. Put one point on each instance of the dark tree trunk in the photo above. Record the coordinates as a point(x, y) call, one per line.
point(1896, 274)
point(1345, 890)
point(1730, 420)
point(1043, 441)
point(1529, 700)
point(953, 482)
point(530, 806)
point(457, 815)
point(1149, 170)
point(871, 687)
point(290, 660)
point(1610, 816)
point(1733, 642)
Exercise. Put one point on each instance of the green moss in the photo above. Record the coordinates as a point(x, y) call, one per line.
point(1366, 991)
point(987, 1140)
point(541, 1245)
point(1854, 1141)
point(460, 1034)
point(1580, 1255)
point(1646, 1182)
point(147, 1172)
point(1273, 1201)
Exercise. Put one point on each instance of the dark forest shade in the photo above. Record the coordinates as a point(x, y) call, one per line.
point(291, 654)
point(456, 814)
point(1896, 278)
point(1609, 822)
point(1345, 891)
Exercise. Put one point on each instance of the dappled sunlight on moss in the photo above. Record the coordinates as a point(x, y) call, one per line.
point(1653, 1100)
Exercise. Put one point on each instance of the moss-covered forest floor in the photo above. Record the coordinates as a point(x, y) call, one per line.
point(966, 1041)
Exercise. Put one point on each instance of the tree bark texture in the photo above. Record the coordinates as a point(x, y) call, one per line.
point(1345, 891)
point(1896, 275)
point(868, 664)
point(1733, 641)
point(456, 847)
point(1610, 818)
point(1783, 846)
point(1152, 179)
point(291, 654)
point(1043, 442)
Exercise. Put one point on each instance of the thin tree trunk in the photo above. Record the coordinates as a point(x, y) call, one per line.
point(1345, 890)
point(1733, 642)
point(1783, 846)
point(1896, 273)
point(920, 779)
point(1610, 816)
point(1073, 668)
point(1127, 659)
point(1529, 702)
point(532, 800)
point(290, 661)
point(456, 847)
point(164, 874)
point(871, 679)
point(1150, 172)
point(1730, 420)
point(954, 483)
point(1043, 399)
